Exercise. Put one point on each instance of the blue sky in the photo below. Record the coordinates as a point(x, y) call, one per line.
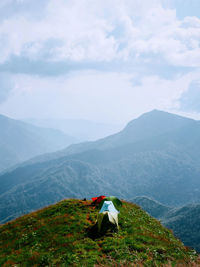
point(107, 61)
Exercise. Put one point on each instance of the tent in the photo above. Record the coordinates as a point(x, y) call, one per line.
point(108, 216)
point(117, 203)
point(108, 206)
point(97, 200)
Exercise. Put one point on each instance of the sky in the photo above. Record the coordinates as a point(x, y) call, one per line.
point(103, 60)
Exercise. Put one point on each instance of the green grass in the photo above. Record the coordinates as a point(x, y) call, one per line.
point(63, 235)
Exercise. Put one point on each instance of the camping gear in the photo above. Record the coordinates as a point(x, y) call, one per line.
point(108, 206)
point(108, 216)
point(117, 203)
point(97, 200)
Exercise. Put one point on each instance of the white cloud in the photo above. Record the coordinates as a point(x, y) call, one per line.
point(190, 99)
point(111, 97)
point(125, 32)
point(6, 85)
point(86, 30)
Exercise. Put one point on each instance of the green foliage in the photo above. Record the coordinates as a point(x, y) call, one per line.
point(59, 235)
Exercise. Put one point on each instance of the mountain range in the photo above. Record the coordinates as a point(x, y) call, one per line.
point(21, 141)
point(156, 155)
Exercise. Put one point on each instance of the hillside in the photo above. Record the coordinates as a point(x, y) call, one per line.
point(44, 184)
point(21, 141)
point(183, 221)
point(163, 165)
point(64, 234)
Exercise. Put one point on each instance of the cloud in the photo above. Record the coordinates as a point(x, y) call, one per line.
point(60, 33)
point(85, 58)
point(94, 95)
point(100, 31)
point(190, 99)
point(29, 8)
point(6, 85)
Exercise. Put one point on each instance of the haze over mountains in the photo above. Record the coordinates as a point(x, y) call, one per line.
point(155, 155)
point(20, 141)
point(82, 130)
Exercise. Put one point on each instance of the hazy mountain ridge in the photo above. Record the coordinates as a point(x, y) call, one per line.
point(20, 141)
point(153, 207)
point(82, 130)
point(132, 133)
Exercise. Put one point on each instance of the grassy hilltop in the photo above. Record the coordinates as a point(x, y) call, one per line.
point(60, 235)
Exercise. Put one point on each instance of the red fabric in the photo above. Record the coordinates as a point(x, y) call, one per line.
point(97, 200)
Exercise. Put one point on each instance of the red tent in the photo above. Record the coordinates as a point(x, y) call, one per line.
point(97, 200)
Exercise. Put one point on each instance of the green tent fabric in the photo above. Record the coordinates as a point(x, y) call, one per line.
point(117, 203)
point(107, 219)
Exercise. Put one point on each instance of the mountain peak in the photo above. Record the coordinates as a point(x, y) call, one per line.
point(156, 113)
point(157, 122)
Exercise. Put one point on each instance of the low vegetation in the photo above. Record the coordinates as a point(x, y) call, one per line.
point(63, 235)
point(184, 221)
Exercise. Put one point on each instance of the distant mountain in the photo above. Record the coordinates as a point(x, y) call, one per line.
point(82, 130)
point(183, 221)
point(20, 141)
point(29, 188)
point(153, 207)
point(185, 224)
point(147, 126)
point(66, 234)
point(156, 155)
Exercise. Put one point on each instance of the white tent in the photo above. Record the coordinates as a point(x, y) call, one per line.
point(109, 213)
point(108, 206)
